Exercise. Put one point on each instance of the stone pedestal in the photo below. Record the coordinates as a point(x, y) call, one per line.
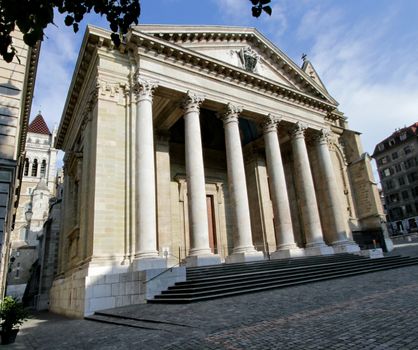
point(372, 253)
point(345, 247)
point(288, 253)
point(319, 250)
point(149, 264)
point(244, 257)
point(202, 260)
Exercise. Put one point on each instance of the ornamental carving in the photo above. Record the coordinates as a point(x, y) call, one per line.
point(143, 89)
point(192, 102)
point(231, 114)
point(109, 89)
point(249, 58)
point(324, 136)
point(271, 123)
point(298, 131)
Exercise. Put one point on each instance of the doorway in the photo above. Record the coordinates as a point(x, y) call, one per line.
point(211, 224)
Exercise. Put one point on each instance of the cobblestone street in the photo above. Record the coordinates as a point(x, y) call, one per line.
point(373, 311)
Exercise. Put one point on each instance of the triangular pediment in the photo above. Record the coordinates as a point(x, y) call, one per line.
point(244, 48)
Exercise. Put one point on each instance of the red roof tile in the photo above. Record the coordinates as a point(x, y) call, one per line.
point(39, 126)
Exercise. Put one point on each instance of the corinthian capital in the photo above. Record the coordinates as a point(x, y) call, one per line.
point(271, 123)
point(324, 136)
point(231, 114)
point(298, 130)
point(142, 88)
point(192, 102)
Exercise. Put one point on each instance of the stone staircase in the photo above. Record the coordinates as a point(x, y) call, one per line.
point(217, 281)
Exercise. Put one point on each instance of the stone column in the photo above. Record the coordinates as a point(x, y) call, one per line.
point(146, 227)
point(200, 252)
point(308, 206)
point(243, 246)
point(338, 235)
point(285, 241)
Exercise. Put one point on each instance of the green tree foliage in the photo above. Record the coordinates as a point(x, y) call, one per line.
point(259, 6)
point(33, 16)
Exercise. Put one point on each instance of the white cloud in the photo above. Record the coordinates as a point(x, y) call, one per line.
point(372, 77)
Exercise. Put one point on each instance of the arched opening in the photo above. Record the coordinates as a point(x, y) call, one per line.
point(34, 168)
point(43, 168)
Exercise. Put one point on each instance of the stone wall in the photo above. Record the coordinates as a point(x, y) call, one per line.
point(80, 295)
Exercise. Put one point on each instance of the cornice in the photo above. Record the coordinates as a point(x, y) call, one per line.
point(187, 35)
point(159, 47)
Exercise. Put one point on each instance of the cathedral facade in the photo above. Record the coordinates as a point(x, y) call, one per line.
point(37, 188)
point(199, 145)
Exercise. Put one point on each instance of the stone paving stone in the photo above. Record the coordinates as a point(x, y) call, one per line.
point(372, 311)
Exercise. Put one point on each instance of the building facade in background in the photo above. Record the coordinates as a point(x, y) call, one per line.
point(17, 81)
point(397, 162)
point(201, 145)
point(38, 186)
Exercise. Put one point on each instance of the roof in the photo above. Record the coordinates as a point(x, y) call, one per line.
point(395, 138)
point(39, 126)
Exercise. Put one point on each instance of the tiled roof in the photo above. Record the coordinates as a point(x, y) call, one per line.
point(39, 126)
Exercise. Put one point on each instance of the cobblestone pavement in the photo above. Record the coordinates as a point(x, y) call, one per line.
point(373, 311)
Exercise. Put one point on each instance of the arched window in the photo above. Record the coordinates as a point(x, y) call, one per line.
point(43, 168)
point(34, 168)
point(26, 167)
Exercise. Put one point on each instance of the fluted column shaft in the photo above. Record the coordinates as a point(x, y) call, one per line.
point(146, 225)
point(306, 190)
point(283, 220)
point(237, 182)
point(338, 232)
point(196, 188)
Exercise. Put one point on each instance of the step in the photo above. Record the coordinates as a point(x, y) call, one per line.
point(228, 285)
point(245, 273)
point(135, 322)
point(261, 264)
point(217, 287)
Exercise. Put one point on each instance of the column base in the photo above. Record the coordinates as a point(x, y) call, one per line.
point(345, 247)
point(319, 250)
point(202, 260)
point(287, 253)
point(149, 264)
point(244, 257)
point(372, 253)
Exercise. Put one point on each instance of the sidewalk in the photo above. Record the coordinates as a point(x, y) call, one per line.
point(372, 311)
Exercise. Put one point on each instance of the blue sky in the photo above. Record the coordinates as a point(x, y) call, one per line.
point(365, 51)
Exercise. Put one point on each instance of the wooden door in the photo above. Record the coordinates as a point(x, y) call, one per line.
point(211, 224)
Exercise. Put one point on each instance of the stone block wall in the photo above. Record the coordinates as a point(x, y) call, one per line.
point(80, 295)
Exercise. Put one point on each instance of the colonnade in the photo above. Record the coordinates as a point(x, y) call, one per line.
point(243, 250)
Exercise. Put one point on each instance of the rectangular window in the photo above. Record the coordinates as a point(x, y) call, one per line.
point(408, 209)
point(394, 198)
point(401, 181)
point(389, 184)
point(395, 155)
point(408, 149)
point(405, 195)
point(412, 177)
point(409, 163)
point(403, 136)
point(398, 168)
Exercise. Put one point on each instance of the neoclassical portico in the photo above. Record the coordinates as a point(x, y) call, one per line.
point(204, 145)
